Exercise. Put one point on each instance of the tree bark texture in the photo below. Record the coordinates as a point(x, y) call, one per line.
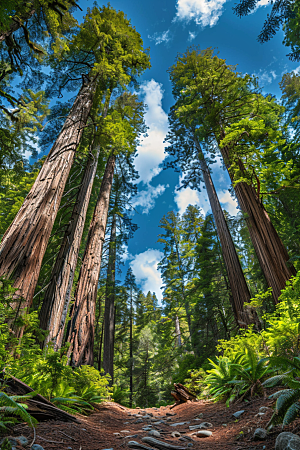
point(109, 311)
point(237, 282)
point(57, 296)
point(81, 330)
point(131, 351)
point(271, 253)
point(24, 243)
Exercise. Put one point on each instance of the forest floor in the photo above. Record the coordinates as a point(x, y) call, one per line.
point(112, 426)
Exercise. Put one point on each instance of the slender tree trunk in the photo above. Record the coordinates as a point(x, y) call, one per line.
point(81, 330)
point(270, 251)
point(177, 331)
point(237, 282)
point(100, 347)
point(109, 312)
point(131, 351)
point(58, 294)
point(24, 243)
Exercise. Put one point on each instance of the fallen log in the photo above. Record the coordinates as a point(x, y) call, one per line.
point(38, 406)
point(160, 444)
point(182, 395)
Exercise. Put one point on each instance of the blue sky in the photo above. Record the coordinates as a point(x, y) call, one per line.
point(168, 27)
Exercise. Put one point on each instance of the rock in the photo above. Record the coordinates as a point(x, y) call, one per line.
point(124, 431)
point(203, 434)
point(117, 434)
point(178, 424)
point(264, 409)
point(154, 433)
point(287, 441)
point(138, 421)
point(22, 440)
point(126, 423)
point(200, 416)
point(132, 436)
point(146, 416)
point(170, 414)
point(107, 449)
point(160, 421)
point(134, 444)
point(238, 414)
point(202, 425)
point(260, 434)
point(186, 438)
point(147, 428)
point(160, 444)
point(190, 444)
point(175, 434)
point(224, 424)
point(37, 447)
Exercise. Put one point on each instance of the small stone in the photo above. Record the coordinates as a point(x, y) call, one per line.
point(264, 409)
point(175, 434)
point(190, 444)
point(287, 441)
point(187, 438)
point(138, 421)
point(224, 424)
point(146, 416)
point(132, 436)
point(107, 449)
point(126, 423)
point(124, 431)
point(238, 414)
point(170, 414)
point(206, 425)
point(147, 428)
point(69, 448)
point(37, 447)
point(200, 416)
point(154, 433)
point(259, 434)
point(203, 433)
point(22, 440)
point(117, 434)
point(178, 424)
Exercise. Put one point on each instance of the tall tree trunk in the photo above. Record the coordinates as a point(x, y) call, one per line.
point(270, 251)
point(24, 243)
point(58, 293)
point(100, 347)
point(177, 331)
point(237, 282)
point(81, 330)
point(109, 312)
point(131, 351)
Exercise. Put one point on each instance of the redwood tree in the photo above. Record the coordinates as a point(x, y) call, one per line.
point(228, 111)
point(108, 38)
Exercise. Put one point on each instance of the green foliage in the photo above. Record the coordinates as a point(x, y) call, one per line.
point(10, 408)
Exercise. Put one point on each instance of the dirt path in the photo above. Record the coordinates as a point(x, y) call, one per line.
point(98, 431)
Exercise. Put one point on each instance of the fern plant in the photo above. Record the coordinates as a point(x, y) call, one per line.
point(287, 407)
point(10, 407)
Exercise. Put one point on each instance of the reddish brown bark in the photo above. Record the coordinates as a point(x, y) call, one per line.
point(109, 310)
point(81, 329)
point(237, 282)
point(57, 296)
point(271, 253)
point(24, 243)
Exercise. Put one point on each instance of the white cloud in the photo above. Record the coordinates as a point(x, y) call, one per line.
point(266, 77)
point(188, 196)
point(159, 38)
point(146, 198)
point(144, 267)
point(228, 203)
point(192, 35)
point(151, 150)
point(203, 12)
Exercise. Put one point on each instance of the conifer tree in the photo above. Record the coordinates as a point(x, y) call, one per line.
point(32, 226)
point(230, 112)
